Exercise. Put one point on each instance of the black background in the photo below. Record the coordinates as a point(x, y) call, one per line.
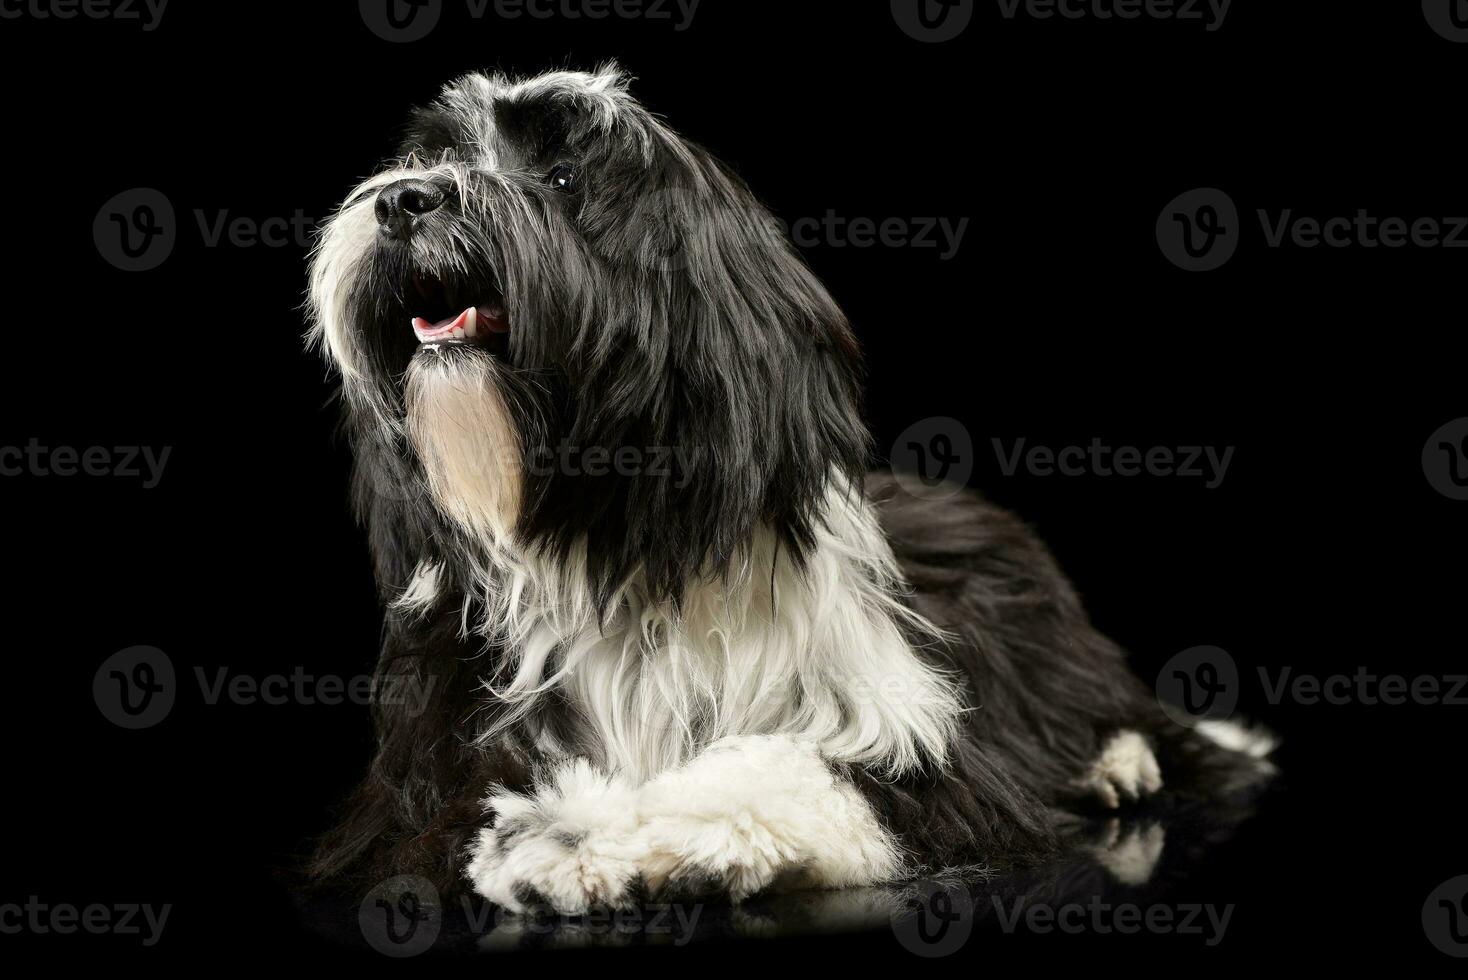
point(1059, 321)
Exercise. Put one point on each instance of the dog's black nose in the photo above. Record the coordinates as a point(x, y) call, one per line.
point(401, 203)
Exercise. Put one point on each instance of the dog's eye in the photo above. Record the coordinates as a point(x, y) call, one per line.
point(562, 177)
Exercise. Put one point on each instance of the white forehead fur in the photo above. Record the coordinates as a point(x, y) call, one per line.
point(603, 94)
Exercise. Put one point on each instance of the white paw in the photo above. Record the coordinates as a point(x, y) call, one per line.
point(692, 857)
point(752, 812)
point(1125, 770)
point(1130, 859)
point(570, 844)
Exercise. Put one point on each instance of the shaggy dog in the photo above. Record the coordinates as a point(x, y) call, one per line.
point(674, 638)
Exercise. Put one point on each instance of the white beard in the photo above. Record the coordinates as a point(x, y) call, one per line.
point(461, 430)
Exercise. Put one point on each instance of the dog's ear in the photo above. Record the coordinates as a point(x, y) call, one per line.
point(735, 362)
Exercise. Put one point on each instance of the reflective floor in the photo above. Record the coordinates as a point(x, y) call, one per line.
point(1120, 875)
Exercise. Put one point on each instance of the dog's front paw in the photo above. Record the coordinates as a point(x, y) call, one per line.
point(1125, 770)
point(755, 812)
point(688, 856)
point(570, 846)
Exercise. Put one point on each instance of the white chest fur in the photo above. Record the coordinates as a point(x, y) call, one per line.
point(814, 653)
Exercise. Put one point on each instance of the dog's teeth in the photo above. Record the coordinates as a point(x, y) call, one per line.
point(458, 333)
point(471, 325)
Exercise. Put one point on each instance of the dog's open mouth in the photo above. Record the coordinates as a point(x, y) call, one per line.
point(444, 315)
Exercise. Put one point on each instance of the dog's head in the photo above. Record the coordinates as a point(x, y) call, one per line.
point(561, 326)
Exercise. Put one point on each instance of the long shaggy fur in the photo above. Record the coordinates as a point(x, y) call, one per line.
point(615, 655)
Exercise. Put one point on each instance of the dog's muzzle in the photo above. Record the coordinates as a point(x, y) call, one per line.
point(441, 308)
point(402, 205)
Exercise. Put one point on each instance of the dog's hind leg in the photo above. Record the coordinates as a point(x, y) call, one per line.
point(1125, 771)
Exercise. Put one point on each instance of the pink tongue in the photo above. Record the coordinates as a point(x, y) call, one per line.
point(446, 325)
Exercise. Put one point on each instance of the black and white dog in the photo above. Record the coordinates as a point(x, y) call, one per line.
point(610, 454)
